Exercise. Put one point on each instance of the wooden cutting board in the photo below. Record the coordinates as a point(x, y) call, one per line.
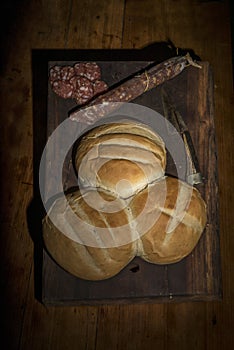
point(198, 276)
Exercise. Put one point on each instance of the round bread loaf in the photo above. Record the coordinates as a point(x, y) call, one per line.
point(94, 234)
point(122, 158)
point(80, 227)
point(175, 227)
point(125, 206)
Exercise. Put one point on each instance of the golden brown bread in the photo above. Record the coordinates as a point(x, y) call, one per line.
point(77, 243)
point(143, 222)
point(121, 157)
point(125, 207)
point(177, 227)
point(128, 127)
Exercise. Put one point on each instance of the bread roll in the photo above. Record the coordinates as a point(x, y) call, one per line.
point(178, 224)
point(122, 158)
point(73, 234)
point(125, 207)
point(162, 224)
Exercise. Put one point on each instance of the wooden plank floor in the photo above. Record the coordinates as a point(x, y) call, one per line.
point(203, 26)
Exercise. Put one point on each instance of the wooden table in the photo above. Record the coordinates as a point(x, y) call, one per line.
point(203, 26)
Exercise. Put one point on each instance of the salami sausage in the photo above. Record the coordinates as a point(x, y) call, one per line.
point(132, 88)
point(55, 73)
point(63, 88)
point(66, 73)
point(81, 82)
point(99, 86)
point(82, 89)
point(89, 70)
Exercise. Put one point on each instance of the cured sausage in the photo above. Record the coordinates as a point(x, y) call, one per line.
point(89, 70)
point(67, 72)
point(132, 88)
point(81, 81)
point(99, 86)
point(82, 89)
point(55, 73)
point(63, 88)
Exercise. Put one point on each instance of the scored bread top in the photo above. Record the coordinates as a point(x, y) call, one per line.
point(125, 206)
point(153, 225)
point(79, 233)
point(120, 157)
point(126, 126)
point(172, 224)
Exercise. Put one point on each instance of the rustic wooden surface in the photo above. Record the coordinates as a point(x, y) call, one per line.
point(26, 324)
point(198, 276)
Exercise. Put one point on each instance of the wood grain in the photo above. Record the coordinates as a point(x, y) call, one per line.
point(203, 26)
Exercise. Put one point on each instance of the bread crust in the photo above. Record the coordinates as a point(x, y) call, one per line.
point(78, 247)
point(176, 231)
point(150, 241)
point(125, 206)
point(116, 153)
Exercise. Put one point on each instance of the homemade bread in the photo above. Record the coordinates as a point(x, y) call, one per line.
point(95, 237)
point(77, 234)
point(168, 232)
point(122, 158)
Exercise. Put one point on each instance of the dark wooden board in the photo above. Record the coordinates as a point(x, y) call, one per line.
point(198, 276)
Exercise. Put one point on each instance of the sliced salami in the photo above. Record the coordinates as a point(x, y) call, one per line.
point(55, 73)
point(99, 86)
point(67, 72)
point(89, 70)
point(79, 68)
point(81, 81)
point(82, 89)
point(63, 88)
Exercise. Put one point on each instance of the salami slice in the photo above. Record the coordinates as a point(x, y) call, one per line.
point(82, 89)
point(55, 73)
point(99, 86)
point(67, 72)
point(63, 88)
point(89, 70)
point(81, 81)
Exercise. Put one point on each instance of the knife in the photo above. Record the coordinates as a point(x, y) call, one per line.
point(174, 118)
